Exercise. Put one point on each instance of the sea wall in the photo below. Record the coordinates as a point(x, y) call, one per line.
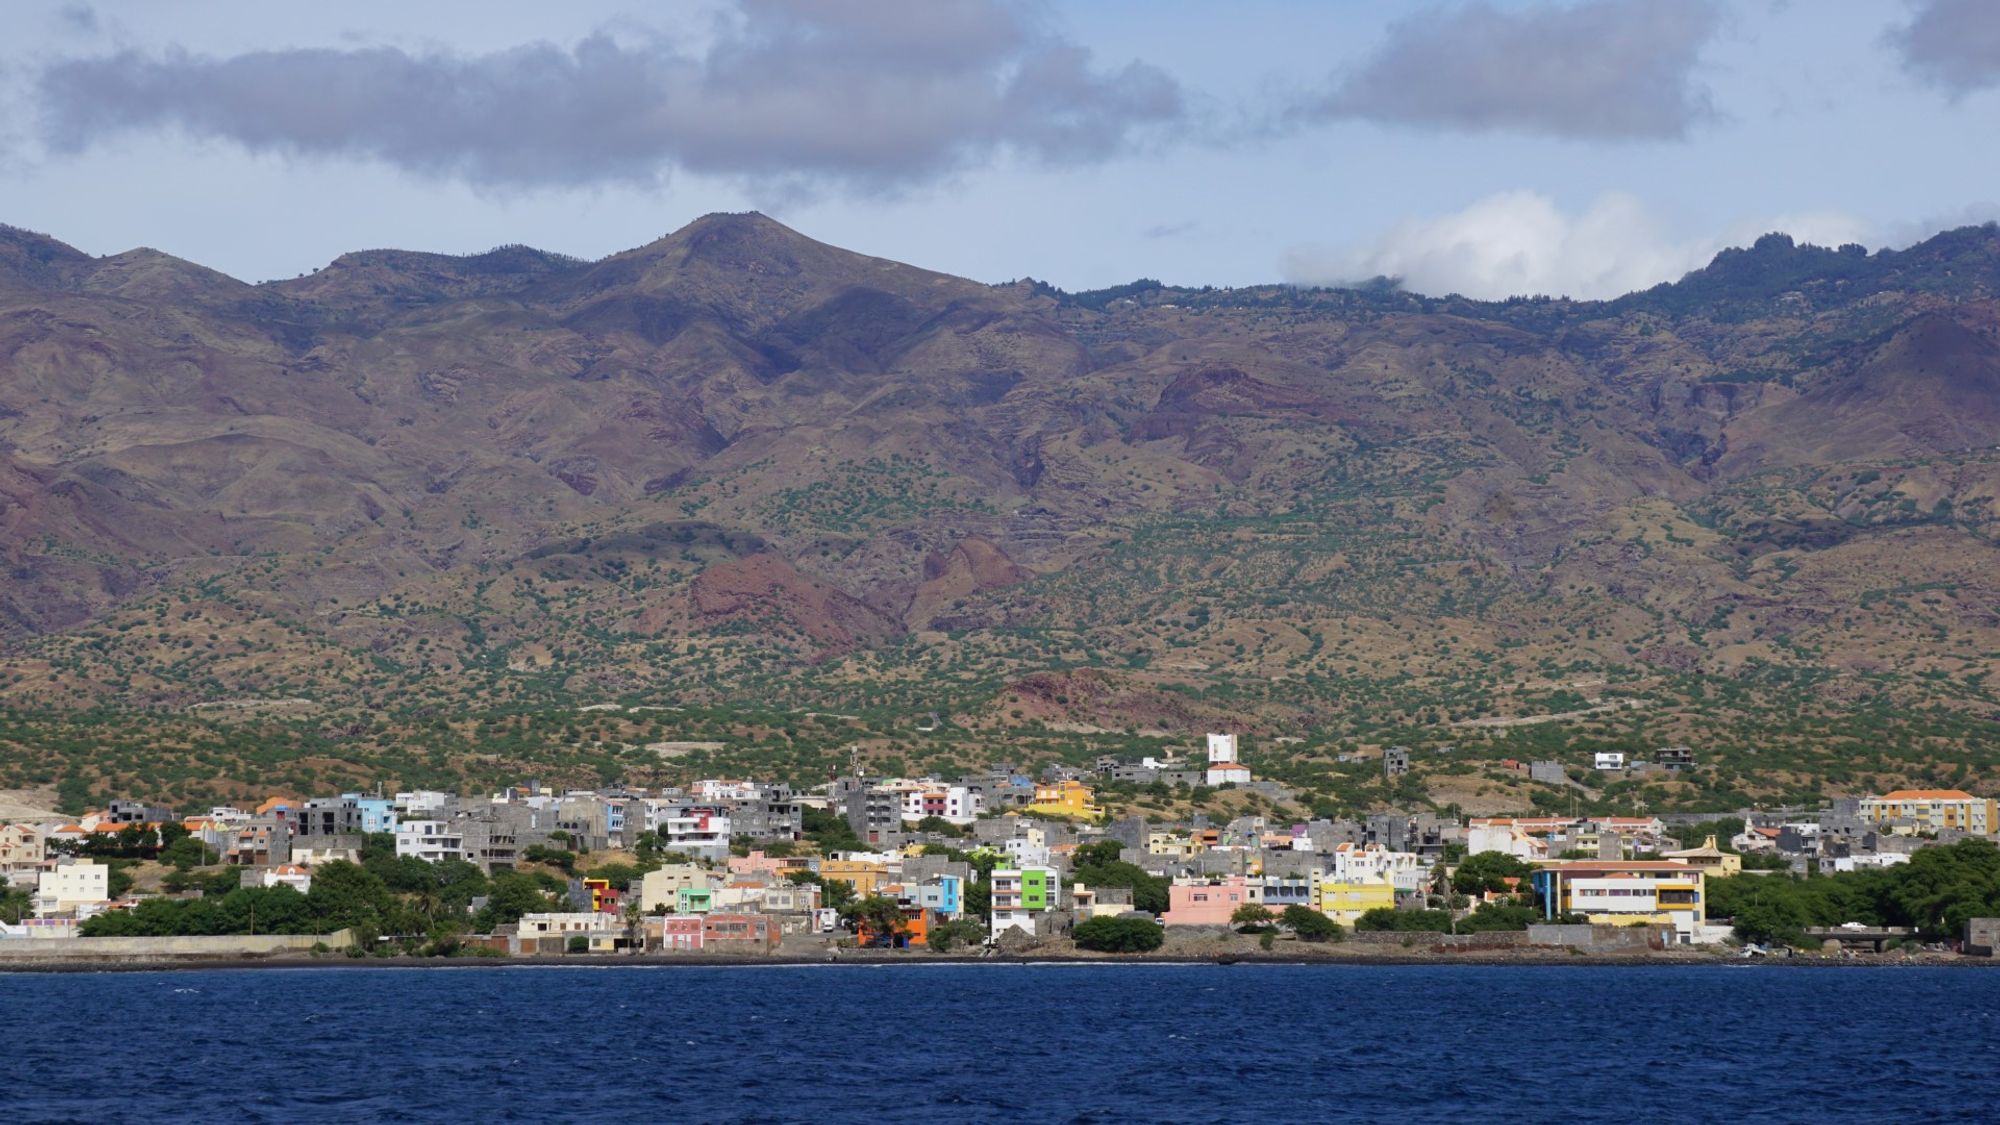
point(1633, 939)
point(1449, 943)
point(155, 948)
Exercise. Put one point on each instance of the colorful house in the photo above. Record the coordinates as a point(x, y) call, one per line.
point(740, 933)
point(1065, 798)
point(603, 897)
point(944, 894)
point(1709, 858)
point(1023, 897)
point(1618, 892)
point(1210, 904)
point(1345, 900)
point(914, 929)
point(674, 933)
point(865, 876)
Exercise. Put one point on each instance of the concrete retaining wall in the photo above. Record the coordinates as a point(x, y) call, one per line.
point(1429, 939)
point(151, 948)
point(1603, 938)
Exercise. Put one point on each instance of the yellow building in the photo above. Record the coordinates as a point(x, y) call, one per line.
point(1065, 798)
point(1709, 858)
point(1933, 809)
point(1344, 900)
point(866, 878)
point(1614, 892)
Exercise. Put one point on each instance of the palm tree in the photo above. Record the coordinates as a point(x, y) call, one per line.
point(634, 916)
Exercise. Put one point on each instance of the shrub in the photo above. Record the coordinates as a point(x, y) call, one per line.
point(1422, 921)
point(1310, 924)
point(1119, 935)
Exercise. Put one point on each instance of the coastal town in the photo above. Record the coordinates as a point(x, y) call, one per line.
point(1001, 861)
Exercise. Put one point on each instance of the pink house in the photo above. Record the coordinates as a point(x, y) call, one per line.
point(756, 863)
point(1209, 904)
point(674, 932)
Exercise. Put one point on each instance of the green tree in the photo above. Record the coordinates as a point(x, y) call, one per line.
point(881, 917)
point(1309, 924)
point(945, 936)
point(1119, 935)
point(1252, 918)
point(513, 894)
point(1099, 854)
point(189, 852)
point(348, 896)
point(1494, 916)
point(1417, 921)
point(1149, 891)
point(1488, 872)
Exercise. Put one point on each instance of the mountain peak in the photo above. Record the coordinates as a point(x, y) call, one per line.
point(29, 258)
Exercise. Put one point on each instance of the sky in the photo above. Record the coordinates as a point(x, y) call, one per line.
point(1485, 147)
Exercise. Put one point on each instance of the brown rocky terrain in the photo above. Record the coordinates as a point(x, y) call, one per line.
point(737, 463)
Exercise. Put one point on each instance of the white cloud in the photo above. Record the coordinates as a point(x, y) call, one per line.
point(1521, 243)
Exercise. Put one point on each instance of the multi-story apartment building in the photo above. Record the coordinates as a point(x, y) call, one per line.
point(1023, 897)
point(1932, 810)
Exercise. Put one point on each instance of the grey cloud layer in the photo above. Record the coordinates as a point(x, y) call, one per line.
point(876, 96)
point(1601, 70)
point(1952, 44)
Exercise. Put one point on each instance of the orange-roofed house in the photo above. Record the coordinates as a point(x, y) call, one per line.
point(288, 875)
point(1932, 810)
point(67, 834)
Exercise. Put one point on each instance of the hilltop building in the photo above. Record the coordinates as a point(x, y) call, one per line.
point(1224, 767)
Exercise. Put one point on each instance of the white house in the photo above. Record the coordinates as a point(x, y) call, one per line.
point(1223, 766)
point(72, 888)
point(289, 875)
point(954, 804)
point(417, 802)
point(566, 922)
point(432, 841)
point(699, 832)
point(1502, 834)
point(725, 789)
point(1609, 760)
point(1372, 863)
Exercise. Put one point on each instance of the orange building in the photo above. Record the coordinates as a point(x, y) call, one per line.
point(866, 878)
point(913, 930)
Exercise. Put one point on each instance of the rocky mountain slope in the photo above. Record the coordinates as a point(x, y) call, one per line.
point(737, 463)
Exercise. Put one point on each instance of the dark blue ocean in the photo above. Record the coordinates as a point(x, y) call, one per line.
point(950, 1043)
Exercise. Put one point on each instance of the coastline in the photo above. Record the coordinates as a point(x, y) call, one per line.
point(852, 958)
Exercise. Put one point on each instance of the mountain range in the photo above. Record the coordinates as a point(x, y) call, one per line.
point(738, 464)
